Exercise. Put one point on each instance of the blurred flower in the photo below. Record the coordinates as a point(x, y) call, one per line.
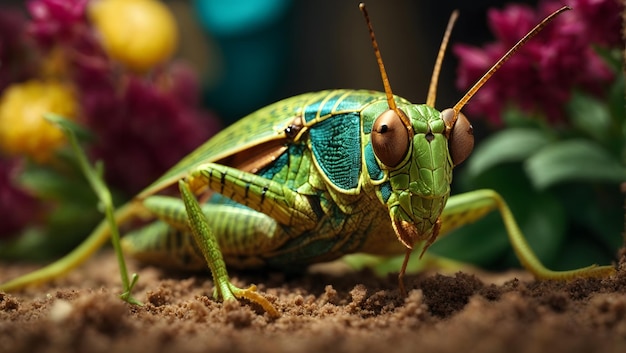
point(16, 58)
point(143, 123)
point(138, 33)
point(600, 19)
point(541, 76)
point(144, 128)
point(56, 20)
point(57, 62)
point(23, 129)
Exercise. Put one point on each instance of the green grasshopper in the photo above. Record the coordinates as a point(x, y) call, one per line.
point(312, 178)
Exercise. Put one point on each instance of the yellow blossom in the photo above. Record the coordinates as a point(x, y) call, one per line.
point(23, 128)
point(138, 33)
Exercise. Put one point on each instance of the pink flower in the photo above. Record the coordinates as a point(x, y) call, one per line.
point(601, 20)
point(17, 207)
point(143, 124)
point(512, 24)
point(143, 128)
point(541, 76)
point(56, 19)
point(16, 60)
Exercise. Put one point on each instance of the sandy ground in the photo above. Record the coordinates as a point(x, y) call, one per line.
point(321, 311)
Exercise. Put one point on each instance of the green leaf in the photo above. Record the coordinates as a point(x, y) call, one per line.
point(617, 103)
point(589, 115)
point(46, 182)
point(511, 145)
point(573, 160)
point(611, 56)
point(596, 216)
point(81, 133)
point(544, 226)
point(514, 118)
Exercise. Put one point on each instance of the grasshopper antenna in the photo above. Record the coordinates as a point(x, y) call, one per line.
point(470, 93)
point(383, 73)
point(434, 80)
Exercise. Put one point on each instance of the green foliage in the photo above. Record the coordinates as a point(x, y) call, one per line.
point(571, 161)
point(562, 183)
point(511, 145)
point(71, 207)
point(95, 178)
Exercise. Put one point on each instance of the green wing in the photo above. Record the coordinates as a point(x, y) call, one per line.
point(243, 140)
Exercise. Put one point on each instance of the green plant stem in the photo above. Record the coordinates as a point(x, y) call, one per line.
point(95, 178)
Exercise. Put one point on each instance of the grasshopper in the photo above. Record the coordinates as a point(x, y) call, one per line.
point(312, 178)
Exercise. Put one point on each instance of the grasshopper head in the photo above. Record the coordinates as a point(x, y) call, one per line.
point(418, 146)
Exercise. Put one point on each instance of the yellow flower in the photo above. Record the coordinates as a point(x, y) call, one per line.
point(138, 33)
point(23, 129)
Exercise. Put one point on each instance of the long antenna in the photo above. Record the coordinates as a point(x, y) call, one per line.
point(434, 80)
point(457, 107)
point(379, 59)
point(383, 73)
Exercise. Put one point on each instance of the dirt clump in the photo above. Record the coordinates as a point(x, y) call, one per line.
point(349, 312)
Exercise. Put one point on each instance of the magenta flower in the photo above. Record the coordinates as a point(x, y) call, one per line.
point(18, 207)
point(541, 76)
point(143, 129)
point(601, 20)
point(54, 20)
point(17, 63)
point(143, 125)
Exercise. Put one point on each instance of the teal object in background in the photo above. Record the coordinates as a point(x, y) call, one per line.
point(249, 36)
point(239, 17)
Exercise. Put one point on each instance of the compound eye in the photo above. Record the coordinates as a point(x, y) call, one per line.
point(461, 135)
point(390, 138)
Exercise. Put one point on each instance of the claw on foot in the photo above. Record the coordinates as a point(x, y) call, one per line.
point(252, 295)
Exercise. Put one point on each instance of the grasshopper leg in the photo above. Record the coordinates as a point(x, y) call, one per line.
point(469, 207)
point(206, 240)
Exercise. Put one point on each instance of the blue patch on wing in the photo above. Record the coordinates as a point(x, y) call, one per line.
point(372, 165)
point(385, 190)
point(336, 146)
point(375, 173)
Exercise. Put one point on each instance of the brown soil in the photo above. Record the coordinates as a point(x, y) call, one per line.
point(321, 311)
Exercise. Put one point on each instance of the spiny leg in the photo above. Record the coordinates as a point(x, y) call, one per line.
point(206, 240)
point(273, 198)
point(469, 207)
point(245, 236)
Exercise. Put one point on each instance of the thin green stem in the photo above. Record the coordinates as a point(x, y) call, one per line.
point(95, 180)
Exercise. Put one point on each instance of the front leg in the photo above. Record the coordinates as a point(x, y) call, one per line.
point(207, 242)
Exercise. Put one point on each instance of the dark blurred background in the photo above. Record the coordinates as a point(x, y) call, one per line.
point(305, 46)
